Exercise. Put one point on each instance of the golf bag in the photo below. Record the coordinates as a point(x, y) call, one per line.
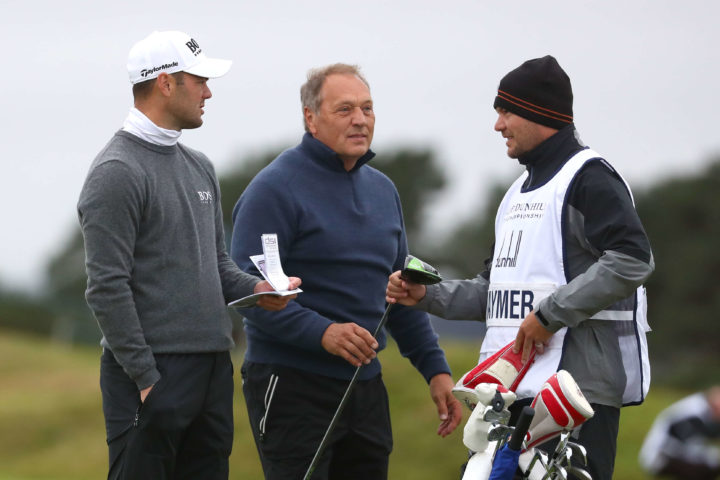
point(558, 408)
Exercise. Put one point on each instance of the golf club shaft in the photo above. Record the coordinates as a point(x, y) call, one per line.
point(341, 406)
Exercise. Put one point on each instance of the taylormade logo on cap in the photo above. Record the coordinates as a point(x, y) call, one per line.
point(146, 72)
point(171, 52)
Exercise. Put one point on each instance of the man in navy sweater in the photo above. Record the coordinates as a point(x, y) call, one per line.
point(339, 226)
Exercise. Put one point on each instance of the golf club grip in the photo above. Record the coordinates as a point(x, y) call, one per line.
point(521, 428)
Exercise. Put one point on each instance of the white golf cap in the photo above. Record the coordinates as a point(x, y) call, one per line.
point(171, 52)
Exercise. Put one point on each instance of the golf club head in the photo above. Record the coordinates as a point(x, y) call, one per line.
point(417, 271)
point(493, 416)
point(499, 432)
point(579, 452)
point(579, 473)
point(534, 464)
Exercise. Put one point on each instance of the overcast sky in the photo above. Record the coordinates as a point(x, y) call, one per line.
point(644, 75)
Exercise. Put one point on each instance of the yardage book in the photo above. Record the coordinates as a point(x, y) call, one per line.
point(269, 266)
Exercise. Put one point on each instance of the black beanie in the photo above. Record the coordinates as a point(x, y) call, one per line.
point(538, 90)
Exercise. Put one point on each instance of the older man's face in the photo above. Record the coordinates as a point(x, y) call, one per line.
point(345, 120)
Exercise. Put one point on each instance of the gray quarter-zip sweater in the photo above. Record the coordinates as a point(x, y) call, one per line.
point(159, 276)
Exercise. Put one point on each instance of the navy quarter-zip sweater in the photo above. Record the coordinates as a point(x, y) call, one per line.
point(342, 232)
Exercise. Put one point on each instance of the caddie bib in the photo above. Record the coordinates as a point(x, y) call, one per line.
point(527, 266)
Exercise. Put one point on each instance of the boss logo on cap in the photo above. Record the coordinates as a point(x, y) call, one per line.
point(194, 47)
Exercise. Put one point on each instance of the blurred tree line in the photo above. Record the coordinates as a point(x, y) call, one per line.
point(681, 216)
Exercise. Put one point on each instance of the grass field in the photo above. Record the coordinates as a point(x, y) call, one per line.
point(51, 424)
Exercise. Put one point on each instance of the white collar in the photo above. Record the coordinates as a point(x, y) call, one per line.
point(141, 126)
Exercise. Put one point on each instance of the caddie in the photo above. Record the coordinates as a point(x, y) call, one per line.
point(567, 267)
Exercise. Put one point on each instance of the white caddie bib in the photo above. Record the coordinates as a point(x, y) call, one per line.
point(528, 266)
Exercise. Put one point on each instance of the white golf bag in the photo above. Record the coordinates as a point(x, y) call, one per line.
point(559, 407)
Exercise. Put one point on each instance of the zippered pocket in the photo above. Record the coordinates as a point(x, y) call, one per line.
point(151, 394)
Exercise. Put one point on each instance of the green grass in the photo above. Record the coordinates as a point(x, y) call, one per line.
point(51, 424)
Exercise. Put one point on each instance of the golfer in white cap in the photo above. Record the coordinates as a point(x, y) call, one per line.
point(159, 277)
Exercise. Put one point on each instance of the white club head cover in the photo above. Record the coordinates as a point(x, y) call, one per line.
point(481, 393)
point(503, 368)
point(476, 428)
point(485, 392)
point(559, 405)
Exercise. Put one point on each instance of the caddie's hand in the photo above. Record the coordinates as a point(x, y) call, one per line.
point(402, 291)
point(274, 303)
point(144, 393)
point(531, 334)
point(448, 407)
point(351, 342)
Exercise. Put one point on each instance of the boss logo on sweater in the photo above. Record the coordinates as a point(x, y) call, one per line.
point(205, 197)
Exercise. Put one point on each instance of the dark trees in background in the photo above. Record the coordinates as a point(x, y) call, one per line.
point(682, 219)
point(681, 216)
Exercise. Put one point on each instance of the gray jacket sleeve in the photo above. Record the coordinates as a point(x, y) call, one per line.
point(608, 252)
point(457, 299)
point(615, 276)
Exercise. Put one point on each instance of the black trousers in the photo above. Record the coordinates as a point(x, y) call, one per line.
point(290, 411)
point(183, 430)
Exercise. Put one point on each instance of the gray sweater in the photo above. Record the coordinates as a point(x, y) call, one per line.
point(159, 276)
